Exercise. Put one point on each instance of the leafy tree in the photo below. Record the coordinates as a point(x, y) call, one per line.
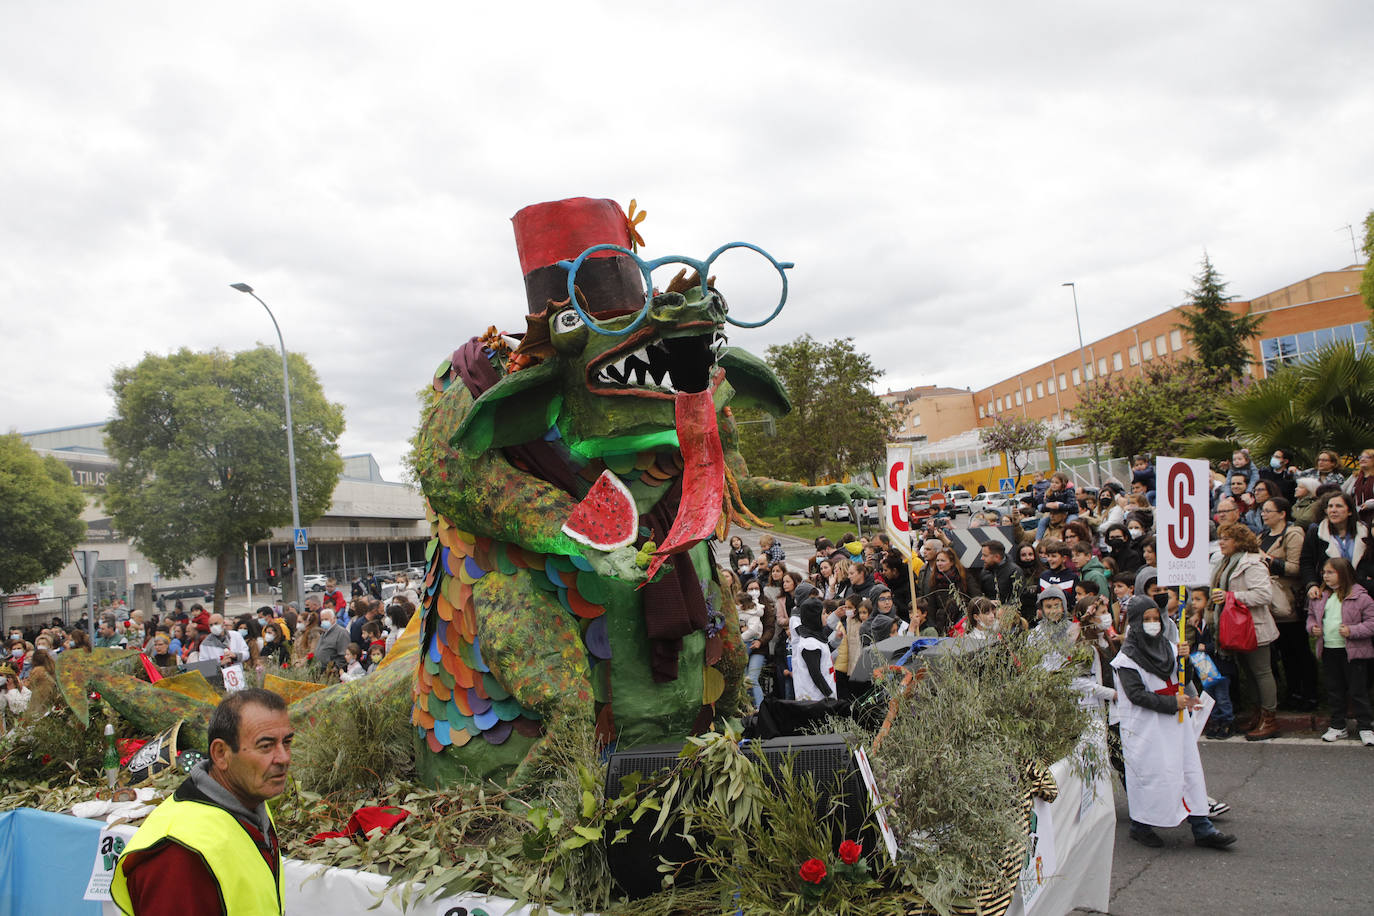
point(1326, 400)
point(40, 514)
point(1017, 437)
point(935, 468)
point(1220, 336)
point(1153, 412)
point(200, 441)
point(837, 423)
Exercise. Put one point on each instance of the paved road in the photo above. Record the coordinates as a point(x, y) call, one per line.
point(1302, 813)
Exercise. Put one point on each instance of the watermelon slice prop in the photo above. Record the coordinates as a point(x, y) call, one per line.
point(606, 518)
point(703, 476)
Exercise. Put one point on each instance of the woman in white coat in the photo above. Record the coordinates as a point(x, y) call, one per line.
point(1164, 782)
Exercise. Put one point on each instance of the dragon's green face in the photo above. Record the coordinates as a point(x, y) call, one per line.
point(616, 387)
point(608, 393)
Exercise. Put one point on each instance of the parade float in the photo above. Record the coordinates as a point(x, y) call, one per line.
point(575, 472)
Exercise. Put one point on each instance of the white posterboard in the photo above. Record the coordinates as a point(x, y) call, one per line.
point(107, 852)
point(233, 678)
point(896, 520)
point(1181, 503)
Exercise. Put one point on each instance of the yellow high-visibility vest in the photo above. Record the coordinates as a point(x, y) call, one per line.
point(246, 883)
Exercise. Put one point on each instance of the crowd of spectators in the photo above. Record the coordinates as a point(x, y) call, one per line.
point(332, 638)
point(1293, 546)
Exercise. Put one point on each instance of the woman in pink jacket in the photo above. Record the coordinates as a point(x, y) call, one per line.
point(1342, 619)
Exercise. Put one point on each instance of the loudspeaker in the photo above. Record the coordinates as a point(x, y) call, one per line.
point(841, 801)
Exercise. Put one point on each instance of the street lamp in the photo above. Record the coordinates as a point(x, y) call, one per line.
point(290, 442)
point(1083, 363)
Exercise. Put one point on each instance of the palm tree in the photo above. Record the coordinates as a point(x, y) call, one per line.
point(1325, 400)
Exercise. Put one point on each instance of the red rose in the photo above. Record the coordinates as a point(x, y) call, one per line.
point(850, 852)
point(812, 871)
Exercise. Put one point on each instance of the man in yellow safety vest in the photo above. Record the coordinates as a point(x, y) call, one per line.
point(212, 846)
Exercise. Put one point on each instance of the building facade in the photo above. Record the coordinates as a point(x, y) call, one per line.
point(371, 523)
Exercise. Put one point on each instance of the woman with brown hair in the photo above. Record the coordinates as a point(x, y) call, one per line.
point(1241, 574)
point(309, 637)
point(948, 590)
point(1281, 542)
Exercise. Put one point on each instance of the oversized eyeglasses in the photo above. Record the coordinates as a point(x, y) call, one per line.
point(646, 269)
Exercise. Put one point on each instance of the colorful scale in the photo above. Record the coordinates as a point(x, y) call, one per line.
point(456, 696)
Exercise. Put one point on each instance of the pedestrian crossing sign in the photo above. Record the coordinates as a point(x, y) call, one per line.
point(301, 542)
point(1006, 484)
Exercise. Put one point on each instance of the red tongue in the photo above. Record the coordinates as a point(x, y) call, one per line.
point(703, 476)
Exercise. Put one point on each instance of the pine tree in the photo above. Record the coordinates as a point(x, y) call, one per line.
point(1220, 336)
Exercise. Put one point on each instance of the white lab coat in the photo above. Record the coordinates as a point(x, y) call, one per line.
point(803, 688)
point(1164, 782)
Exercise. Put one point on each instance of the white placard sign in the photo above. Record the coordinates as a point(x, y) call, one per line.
point(1040, 862)
point(896, 520)
point(107, 853)
point(1181, 502)
point(233, 678)
point(875, 799)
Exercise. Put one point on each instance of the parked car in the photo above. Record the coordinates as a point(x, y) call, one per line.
point(872, 510)
point(990, 502)
point(315, 583)
point(416, 573)
point(960, 501)
point(838, 513)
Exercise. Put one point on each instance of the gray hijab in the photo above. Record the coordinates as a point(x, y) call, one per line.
point(1153, 653)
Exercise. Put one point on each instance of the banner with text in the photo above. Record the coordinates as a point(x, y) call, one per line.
point(1181, 504)
point(896, 521)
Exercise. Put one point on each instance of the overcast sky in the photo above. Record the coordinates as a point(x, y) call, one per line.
point(935, 174)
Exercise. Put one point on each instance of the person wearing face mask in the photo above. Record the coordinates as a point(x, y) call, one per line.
point(1281, 472)
point(276, 651)
point(333, 641)
point(1164, 779)
point(1126, 557)
point(1025, 580)
point(981, 622)
point(224, 644)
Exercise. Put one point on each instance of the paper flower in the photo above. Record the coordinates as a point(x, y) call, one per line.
point(632, 221)
point(850, 852)
point(812, 871)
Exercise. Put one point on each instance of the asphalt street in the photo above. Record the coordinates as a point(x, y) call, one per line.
point(1300, 811)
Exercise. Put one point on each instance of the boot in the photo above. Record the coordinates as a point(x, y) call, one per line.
point(1249, 722)
point(1268, 727)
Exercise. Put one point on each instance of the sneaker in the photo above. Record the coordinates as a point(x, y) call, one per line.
point(1146, 837)
point(1216, 840)
point(1367, 737)
point(1335, 734)
point(1216, 808)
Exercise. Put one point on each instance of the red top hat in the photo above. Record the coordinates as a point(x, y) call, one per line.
point(560, 230)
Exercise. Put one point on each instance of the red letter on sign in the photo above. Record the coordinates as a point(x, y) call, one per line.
point(895, 508)
point(1181, 536)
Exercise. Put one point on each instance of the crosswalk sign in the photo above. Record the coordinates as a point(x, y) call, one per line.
point(301, 542)
point(1006, 484)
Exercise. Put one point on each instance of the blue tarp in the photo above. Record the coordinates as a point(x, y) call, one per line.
point(45, 863)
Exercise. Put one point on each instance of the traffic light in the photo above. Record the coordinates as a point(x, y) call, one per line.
point(271, 575)
point(288, 563)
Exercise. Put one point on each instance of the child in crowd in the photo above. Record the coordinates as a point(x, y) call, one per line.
point(376, 653)
point(1342, 620)
point(353, 668)
point(1057, 571)
point(1201, 632)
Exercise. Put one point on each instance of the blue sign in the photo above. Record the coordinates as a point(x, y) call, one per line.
point(1006, 484)
point(301, 542)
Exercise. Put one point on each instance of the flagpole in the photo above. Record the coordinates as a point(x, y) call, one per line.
point(1182, 637)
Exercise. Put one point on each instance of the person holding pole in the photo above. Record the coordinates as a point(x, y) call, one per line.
point(1164, 780)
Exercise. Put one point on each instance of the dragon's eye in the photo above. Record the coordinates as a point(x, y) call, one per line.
point(567, 320)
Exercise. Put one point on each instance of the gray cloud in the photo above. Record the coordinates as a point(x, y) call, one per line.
point(935, 173)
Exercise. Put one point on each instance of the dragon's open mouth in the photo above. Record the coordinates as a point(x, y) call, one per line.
point(652, 366)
